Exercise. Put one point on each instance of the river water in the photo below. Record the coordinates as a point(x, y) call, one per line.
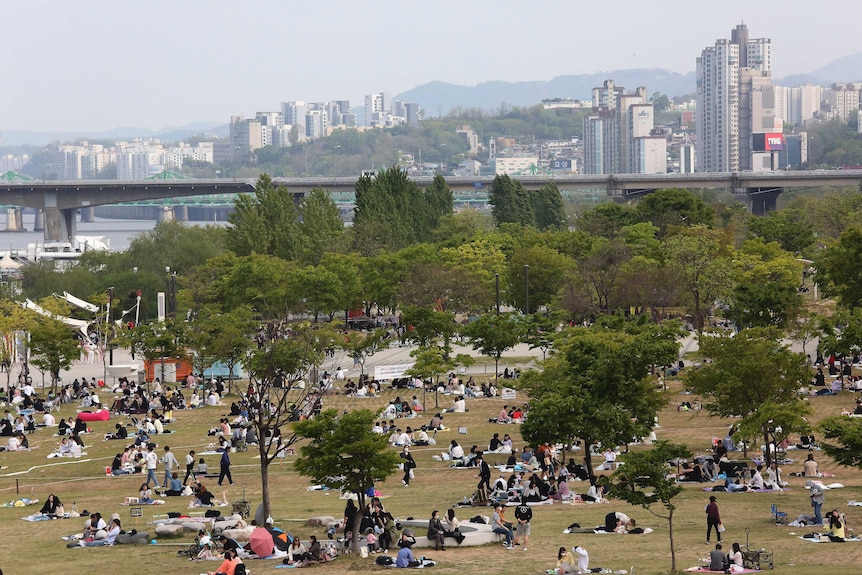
point(118, 232)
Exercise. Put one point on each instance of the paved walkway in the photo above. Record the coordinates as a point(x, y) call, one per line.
point(391, 356)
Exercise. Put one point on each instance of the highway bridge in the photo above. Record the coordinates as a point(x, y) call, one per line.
point(59, 200)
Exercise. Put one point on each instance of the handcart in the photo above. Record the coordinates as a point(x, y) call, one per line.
point(242, 507)
point(756, 558)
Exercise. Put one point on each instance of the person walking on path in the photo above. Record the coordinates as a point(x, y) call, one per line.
point(190, 467)
point(816, 495)
point(484, 473)
point(152, 461)
point(225, 467)
point(170, 463)
point(409, 465)
point(713, 518)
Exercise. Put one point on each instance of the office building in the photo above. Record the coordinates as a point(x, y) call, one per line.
point(246, 136)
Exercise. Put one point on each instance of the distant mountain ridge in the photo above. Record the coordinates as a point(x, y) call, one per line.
point(438, 98)
point(167, 134)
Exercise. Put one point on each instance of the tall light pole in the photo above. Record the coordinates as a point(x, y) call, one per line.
point(808, 151)
point(420, 158)
point(110, 323)
point(526, 290)
point(497, 282)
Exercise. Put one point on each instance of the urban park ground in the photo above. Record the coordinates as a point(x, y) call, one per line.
point(36, 548)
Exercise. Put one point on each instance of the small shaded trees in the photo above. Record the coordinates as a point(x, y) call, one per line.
point(343, 453)
point(492, 334)
point(595, 386)
point(51, 343)
point(749, 375)
point(277, 371)
point(645, 480)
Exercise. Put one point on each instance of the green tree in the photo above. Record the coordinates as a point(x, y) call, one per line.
point(703, 272)
point(596, 386)
point(321, 227)
point(734, 382)
point(222, 336)
point(52, 346)
point(645, 480)
point(264, 283)
point(544, 278)
point(426, 326)
point(547, 204)
point(837, 268)
point(674, 207)
point(789, 227)
point(361, 346)
point(766, 282)
point(158, 341)
point(845, 440)
point(660, 102)
point(343, 453)
point(492, 334)
point(392, 211)
point(510, 202)
point(276, 370)
point(606, 220)
point(266, 222)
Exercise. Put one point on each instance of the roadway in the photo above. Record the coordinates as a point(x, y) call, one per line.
point(59, 199)
point(83, 193)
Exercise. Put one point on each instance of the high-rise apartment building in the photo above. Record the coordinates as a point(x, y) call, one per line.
point(613, 133)
point(843, 100)
point(376, 108)
point(246, 136)
point(735, 101)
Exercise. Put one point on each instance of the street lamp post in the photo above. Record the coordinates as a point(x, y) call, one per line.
point(497, 282)
point(810, 140)
point(420, 158)
point(172, 292)
point(110, 323)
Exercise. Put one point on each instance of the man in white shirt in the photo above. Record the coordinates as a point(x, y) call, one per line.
point(583, 559)
point(170, 463)
point(339, 374)
point(48, 420)
point(757, 479)
point(403, 439)
point(152, 461)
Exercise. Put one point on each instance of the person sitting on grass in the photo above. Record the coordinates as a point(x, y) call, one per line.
point(228, 566)
point(145, 495)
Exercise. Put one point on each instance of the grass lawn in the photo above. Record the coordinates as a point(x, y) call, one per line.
point(36, 548)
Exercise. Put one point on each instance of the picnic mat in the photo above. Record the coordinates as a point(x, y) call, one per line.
point(818, 540)
point(705, 570)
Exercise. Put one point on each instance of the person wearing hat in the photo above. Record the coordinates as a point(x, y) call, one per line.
point(713, 518)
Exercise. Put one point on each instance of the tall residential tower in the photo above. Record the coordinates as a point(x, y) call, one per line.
point(736, 104)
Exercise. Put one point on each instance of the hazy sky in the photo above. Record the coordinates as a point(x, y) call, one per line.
point(100, 64)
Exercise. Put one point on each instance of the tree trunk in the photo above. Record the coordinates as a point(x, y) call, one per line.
point(357, 522)
point(588, 459)
point(264, 474)
point(672, 549)
point(767, 455)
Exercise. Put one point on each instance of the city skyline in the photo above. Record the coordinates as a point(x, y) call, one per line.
point(88, 66)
